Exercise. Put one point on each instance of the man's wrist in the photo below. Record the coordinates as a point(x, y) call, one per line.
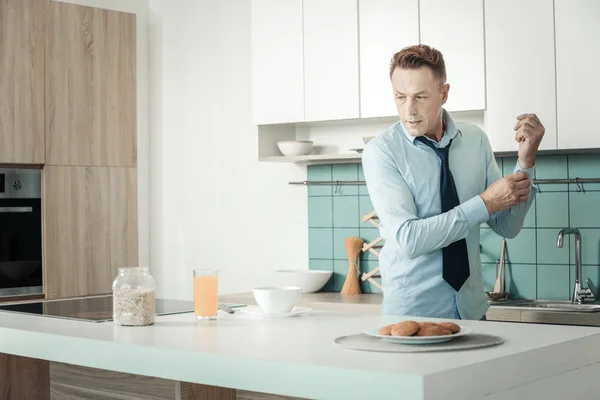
point(488, 203)
point(526, 162)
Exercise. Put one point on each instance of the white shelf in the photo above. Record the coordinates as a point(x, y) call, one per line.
point(334, 141)
point(316, 158)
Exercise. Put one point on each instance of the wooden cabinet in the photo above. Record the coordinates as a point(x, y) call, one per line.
point(520, 68)
point(330, 59)
point(456, 29)
point(381, 36)
point(577, 60)
point(277, 62)
point(90, 87)
point(90, 228)
point(24, 378)
point(22, 36)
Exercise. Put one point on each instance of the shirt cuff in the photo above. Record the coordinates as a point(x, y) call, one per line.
point(476, 213)
point(528, 171)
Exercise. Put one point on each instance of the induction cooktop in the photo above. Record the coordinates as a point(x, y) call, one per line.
point(91, 309)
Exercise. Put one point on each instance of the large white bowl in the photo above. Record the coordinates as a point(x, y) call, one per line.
point(276, 299)
point(295, 147)
point(309, 280)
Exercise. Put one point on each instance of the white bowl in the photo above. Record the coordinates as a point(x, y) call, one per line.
point(295, 147)
point(276, 299)
point(309, 281)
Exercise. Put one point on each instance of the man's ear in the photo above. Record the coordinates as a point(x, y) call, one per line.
point(445, 90)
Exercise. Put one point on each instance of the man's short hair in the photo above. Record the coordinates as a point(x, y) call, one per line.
point(414, 57)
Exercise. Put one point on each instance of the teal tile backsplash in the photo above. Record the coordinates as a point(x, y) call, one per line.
point(343, 172)
point(535, 267)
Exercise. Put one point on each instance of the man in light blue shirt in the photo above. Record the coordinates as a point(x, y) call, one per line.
point(409, 181)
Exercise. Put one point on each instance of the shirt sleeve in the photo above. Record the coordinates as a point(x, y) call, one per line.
point(507, 223)
point(396, 209)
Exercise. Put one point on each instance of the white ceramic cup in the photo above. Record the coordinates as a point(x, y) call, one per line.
point(277, 299)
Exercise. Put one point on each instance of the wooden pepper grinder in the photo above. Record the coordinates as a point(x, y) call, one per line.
point(354, 246)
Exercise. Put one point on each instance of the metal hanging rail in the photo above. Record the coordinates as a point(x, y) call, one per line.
point(576, 181)
point(317, 183)
point(535, 181)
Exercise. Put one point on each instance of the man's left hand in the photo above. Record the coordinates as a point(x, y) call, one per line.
point(528, 133)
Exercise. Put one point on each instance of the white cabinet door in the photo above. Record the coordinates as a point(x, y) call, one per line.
point(331, 59)
point(577, 84)
point(277, 70)
point(519, 43)
point(456, 29)
point(386, 26)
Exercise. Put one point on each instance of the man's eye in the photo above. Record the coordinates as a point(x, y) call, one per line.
point(421, 97)
point(401, 97)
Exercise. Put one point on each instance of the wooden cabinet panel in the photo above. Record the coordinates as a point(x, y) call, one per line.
point(23, 378)
point(90, 228)
point(90, 87)
point(75, 382)
point(22, 35)
point(69, 382)
point(577, 34)
point(519, 69)
point(194, 391)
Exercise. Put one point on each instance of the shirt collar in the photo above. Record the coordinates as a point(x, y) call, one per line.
point(449, 134)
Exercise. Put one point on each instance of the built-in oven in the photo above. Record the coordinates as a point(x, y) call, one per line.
point(20, 232)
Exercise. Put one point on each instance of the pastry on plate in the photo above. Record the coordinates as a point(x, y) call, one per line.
point(433, 330)
point(451, 326)
point(405, 328)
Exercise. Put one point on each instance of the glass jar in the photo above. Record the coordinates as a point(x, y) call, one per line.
point(133, 297)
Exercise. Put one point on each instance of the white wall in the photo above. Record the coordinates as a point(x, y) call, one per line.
point(140, 8)
point(212, 204)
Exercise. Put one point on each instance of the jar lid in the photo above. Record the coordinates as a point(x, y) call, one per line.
point(134, 271)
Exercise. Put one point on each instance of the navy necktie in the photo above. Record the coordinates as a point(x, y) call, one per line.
point(455, 256)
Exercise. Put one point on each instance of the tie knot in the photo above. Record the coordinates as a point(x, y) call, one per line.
point(442, 152)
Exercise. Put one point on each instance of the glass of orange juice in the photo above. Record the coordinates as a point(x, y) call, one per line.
point(206, 291)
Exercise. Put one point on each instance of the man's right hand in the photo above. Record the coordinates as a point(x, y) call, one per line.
point(507, 192)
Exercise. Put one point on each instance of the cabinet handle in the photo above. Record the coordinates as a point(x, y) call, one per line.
point(15, 209)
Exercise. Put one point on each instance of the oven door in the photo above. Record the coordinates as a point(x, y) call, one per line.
point(20, 247)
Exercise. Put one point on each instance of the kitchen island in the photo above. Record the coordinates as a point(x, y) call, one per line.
point(298, 357)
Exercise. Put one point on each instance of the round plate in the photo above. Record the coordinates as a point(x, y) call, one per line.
point(259, 312)
point(418, 339)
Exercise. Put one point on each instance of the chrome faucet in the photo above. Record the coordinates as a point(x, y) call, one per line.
point(579, 293)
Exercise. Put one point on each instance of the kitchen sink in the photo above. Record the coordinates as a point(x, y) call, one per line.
point(548, 305)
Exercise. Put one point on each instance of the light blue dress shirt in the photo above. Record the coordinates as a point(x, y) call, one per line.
point(403, 181)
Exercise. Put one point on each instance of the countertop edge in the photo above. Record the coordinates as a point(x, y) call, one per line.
point(206, 369)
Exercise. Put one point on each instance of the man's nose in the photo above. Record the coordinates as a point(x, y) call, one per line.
point(411, 106)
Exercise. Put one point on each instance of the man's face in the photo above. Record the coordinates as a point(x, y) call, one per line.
point(419, 98)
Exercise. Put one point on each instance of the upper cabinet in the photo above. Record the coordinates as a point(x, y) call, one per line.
point(22, 36)
point(330, 59)
point(520, 69)
point(577, 60)
point(456, 29)
point(90, 87)
point(385, 26)
point(277, 61)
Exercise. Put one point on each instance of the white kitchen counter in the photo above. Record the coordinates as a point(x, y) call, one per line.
point(297, 356)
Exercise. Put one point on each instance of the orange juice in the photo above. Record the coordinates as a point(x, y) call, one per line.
point(205, 295)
